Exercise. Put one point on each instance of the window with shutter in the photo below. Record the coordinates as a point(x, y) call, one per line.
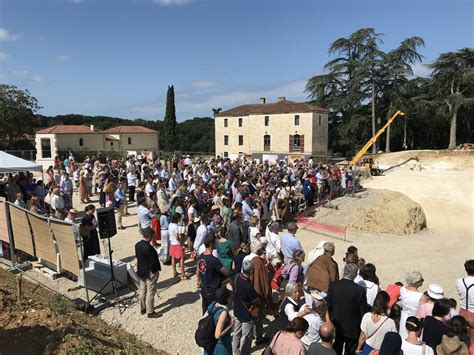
point(290, 144)
point(302, 143)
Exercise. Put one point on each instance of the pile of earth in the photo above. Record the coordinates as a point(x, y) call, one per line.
point(44, 323)
point(375, 211)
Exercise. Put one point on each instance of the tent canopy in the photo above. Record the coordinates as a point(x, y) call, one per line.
point(10, 164)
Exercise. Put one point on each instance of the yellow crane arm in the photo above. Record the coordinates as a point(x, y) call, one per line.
point(374, 138)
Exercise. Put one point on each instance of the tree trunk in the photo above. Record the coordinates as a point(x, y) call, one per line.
point(387, 141)
point(374, 147)
point(452, 133)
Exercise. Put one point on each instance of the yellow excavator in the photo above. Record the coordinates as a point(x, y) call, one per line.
point(374, 138)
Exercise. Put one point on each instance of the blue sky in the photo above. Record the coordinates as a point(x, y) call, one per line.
point(117, 57)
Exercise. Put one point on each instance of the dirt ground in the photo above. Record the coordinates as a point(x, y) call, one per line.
point(42, 323)
point(374, 211)
point(445, 192)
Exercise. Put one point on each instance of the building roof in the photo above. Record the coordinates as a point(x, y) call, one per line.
point(62, 129)
point(282, 106)
point(129, 129)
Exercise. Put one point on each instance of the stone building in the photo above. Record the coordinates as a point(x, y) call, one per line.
point(272, 130)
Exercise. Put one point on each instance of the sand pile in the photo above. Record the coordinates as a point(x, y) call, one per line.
point(376, 211)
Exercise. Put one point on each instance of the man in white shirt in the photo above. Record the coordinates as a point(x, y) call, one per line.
point(314, 317)
point(144, 215)
point(465, 288)
point(149, 187)
point(57, 204)
point(66, 189)
point(131, 184)
point(201, 233)
point(172, 183)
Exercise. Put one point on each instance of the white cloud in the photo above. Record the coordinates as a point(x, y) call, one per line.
point(39, 79)
point(171, 2)
point(203, 84)
point(6, 36)
point(3, 57)
point(64, 59)
point(18, 72)
point(421, 70)
point(195, 102)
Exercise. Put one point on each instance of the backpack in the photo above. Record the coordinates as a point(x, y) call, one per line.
point(204, 335)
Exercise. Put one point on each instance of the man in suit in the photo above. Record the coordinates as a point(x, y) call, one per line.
point(347, 304)
point(148, 270)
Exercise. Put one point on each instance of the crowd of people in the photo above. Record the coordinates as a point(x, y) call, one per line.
point(227, 216)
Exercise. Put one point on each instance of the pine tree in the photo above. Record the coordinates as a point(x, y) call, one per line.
point(169, 129)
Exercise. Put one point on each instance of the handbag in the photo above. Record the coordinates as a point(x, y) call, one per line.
point(84, 232)
point(254, 310)
point(268, 350)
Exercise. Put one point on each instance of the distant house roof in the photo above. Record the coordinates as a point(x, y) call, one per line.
point(61, 129)
point(129, 129)
point(283, 106)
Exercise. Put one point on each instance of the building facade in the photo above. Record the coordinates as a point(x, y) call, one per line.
point(49, 141)
point(272, 130)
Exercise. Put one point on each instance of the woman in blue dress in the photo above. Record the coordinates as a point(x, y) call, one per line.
point(223, 321)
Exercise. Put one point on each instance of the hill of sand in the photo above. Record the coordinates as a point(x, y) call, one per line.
point(375, 211)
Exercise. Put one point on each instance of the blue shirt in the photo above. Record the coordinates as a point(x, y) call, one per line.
point(289, 244)
point(118, 194)
point(144, 216)
point(246, 211)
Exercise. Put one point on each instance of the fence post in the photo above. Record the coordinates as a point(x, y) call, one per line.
point(10, 234)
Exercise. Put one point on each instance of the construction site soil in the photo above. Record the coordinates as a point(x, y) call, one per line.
point(375, 211)
point(43, 323)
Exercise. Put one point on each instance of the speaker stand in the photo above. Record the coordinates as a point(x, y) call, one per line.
point(112, 279)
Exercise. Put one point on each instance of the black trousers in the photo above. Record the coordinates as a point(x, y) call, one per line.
point(343, 344)
point(131, 193)
point(208, 296)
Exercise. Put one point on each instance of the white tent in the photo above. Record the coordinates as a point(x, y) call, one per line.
point(10, 164)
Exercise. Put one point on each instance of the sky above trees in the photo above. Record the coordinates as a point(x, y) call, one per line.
point(117, 58)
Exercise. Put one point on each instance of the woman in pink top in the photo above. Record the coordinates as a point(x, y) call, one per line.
point(288, 341)
point(435, 292)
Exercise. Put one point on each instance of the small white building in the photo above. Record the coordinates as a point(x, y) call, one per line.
point(49, 141)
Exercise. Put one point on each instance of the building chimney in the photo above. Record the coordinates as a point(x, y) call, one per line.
point(262, 100)
point(281, 98)
point(92, 127)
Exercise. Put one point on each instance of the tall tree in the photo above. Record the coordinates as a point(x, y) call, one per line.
point(17, 114)
point(342, 89)
point(453, 80)
point(397, 68)
point(169, 129)
point(369, 74)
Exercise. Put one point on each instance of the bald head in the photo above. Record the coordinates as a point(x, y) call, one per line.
point(326, 332)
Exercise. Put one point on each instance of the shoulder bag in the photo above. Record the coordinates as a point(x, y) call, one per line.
point(375, 351)
point(268, 350)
